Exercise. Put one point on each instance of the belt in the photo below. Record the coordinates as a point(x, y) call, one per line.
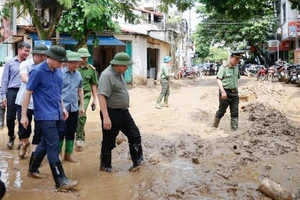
point(231, 90)
point(119, 109)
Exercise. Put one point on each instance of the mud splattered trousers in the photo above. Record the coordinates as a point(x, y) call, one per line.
point(80, 132)
point(121, 121)
point(165, 91)
point(233, 102)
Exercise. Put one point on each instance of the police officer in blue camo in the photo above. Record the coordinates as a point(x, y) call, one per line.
point(45, 85)
point(227, 78)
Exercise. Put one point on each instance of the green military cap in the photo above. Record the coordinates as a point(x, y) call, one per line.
point(84, 52)
point(237, 53)
point(57, 53)
point(39, 49)
point(73, 56)
point(121, 58)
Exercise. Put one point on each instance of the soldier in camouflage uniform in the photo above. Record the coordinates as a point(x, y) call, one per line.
point(227, 78)
point(164, 81)
point(89, 84)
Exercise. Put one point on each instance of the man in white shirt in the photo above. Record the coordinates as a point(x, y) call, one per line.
point(26, 66)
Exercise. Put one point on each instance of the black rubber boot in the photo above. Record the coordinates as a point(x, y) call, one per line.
point(136, 153)
point(2, 188)
point(34, 164)
point(105, 161)
point(61, 181)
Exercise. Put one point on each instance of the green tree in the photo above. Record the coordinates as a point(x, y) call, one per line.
point(29, 5)
point(89, 17)
point(217, 54)
point(96, 16)
point(222, 29)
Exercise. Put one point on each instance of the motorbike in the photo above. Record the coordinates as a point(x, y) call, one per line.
point(192, 72)
point(292, 74)
point(262, 74)
point(298, 79)
point(276, 71)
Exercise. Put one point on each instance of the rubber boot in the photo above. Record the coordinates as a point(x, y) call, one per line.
point(69, 151)
point(2, 188)
point(216, 122)
point(34, 164)
point(61, 143)
point(136, 153)
point(61, 181)
point(105, 161)
point(234, 123)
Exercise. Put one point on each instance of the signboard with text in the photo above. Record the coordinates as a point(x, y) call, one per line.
point(48, 43)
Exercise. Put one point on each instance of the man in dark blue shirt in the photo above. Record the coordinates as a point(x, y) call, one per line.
point(45, 85)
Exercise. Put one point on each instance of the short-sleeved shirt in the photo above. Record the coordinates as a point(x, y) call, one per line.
point(229, 76)
point(164, 71)
point(47, 92)
point(89, 77)
point(25, 68)
point(72, 81)
point(113, 86)
point(11, 76)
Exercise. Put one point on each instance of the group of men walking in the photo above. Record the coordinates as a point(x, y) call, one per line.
point(55, 86)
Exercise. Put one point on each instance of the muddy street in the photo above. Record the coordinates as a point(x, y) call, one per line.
point(185, 158)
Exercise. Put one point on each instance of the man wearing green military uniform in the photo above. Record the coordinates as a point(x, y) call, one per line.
point(164, 81)
point(227, 78)
point(89, 85)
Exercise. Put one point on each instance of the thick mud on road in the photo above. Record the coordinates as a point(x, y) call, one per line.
point(185, 158)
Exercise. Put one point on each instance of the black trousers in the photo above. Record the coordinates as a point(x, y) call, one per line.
point(232, 101)
point(25, 133)
point(68, 128)
point(11, 111)
point(121, 121)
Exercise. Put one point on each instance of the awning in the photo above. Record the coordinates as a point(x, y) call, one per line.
point(103, 40)
point(13, 39)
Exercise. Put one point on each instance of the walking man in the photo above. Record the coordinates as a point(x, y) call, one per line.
point(89, 85)
point(114, 103)
point(72, 89)
point(45, 85)
point(10, 85)
point(227, 78)
point(164, 81)
point(38, 56)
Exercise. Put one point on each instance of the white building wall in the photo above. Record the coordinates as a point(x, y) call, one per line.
point(291, 15)
point(139, 57)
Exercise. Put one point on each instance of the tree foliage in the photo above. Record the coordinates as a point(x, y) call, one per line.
point(89, 17)
point(239, 10)
point(226, 30)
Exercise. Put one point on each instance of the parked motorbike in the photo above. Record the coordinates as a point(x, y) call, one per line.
point(292, 74)
point(191, 72)
point(262, 74)
point(276, 71)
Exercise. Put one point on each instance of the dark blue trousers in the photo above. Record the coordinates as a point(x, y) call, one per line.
point(49, 144)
